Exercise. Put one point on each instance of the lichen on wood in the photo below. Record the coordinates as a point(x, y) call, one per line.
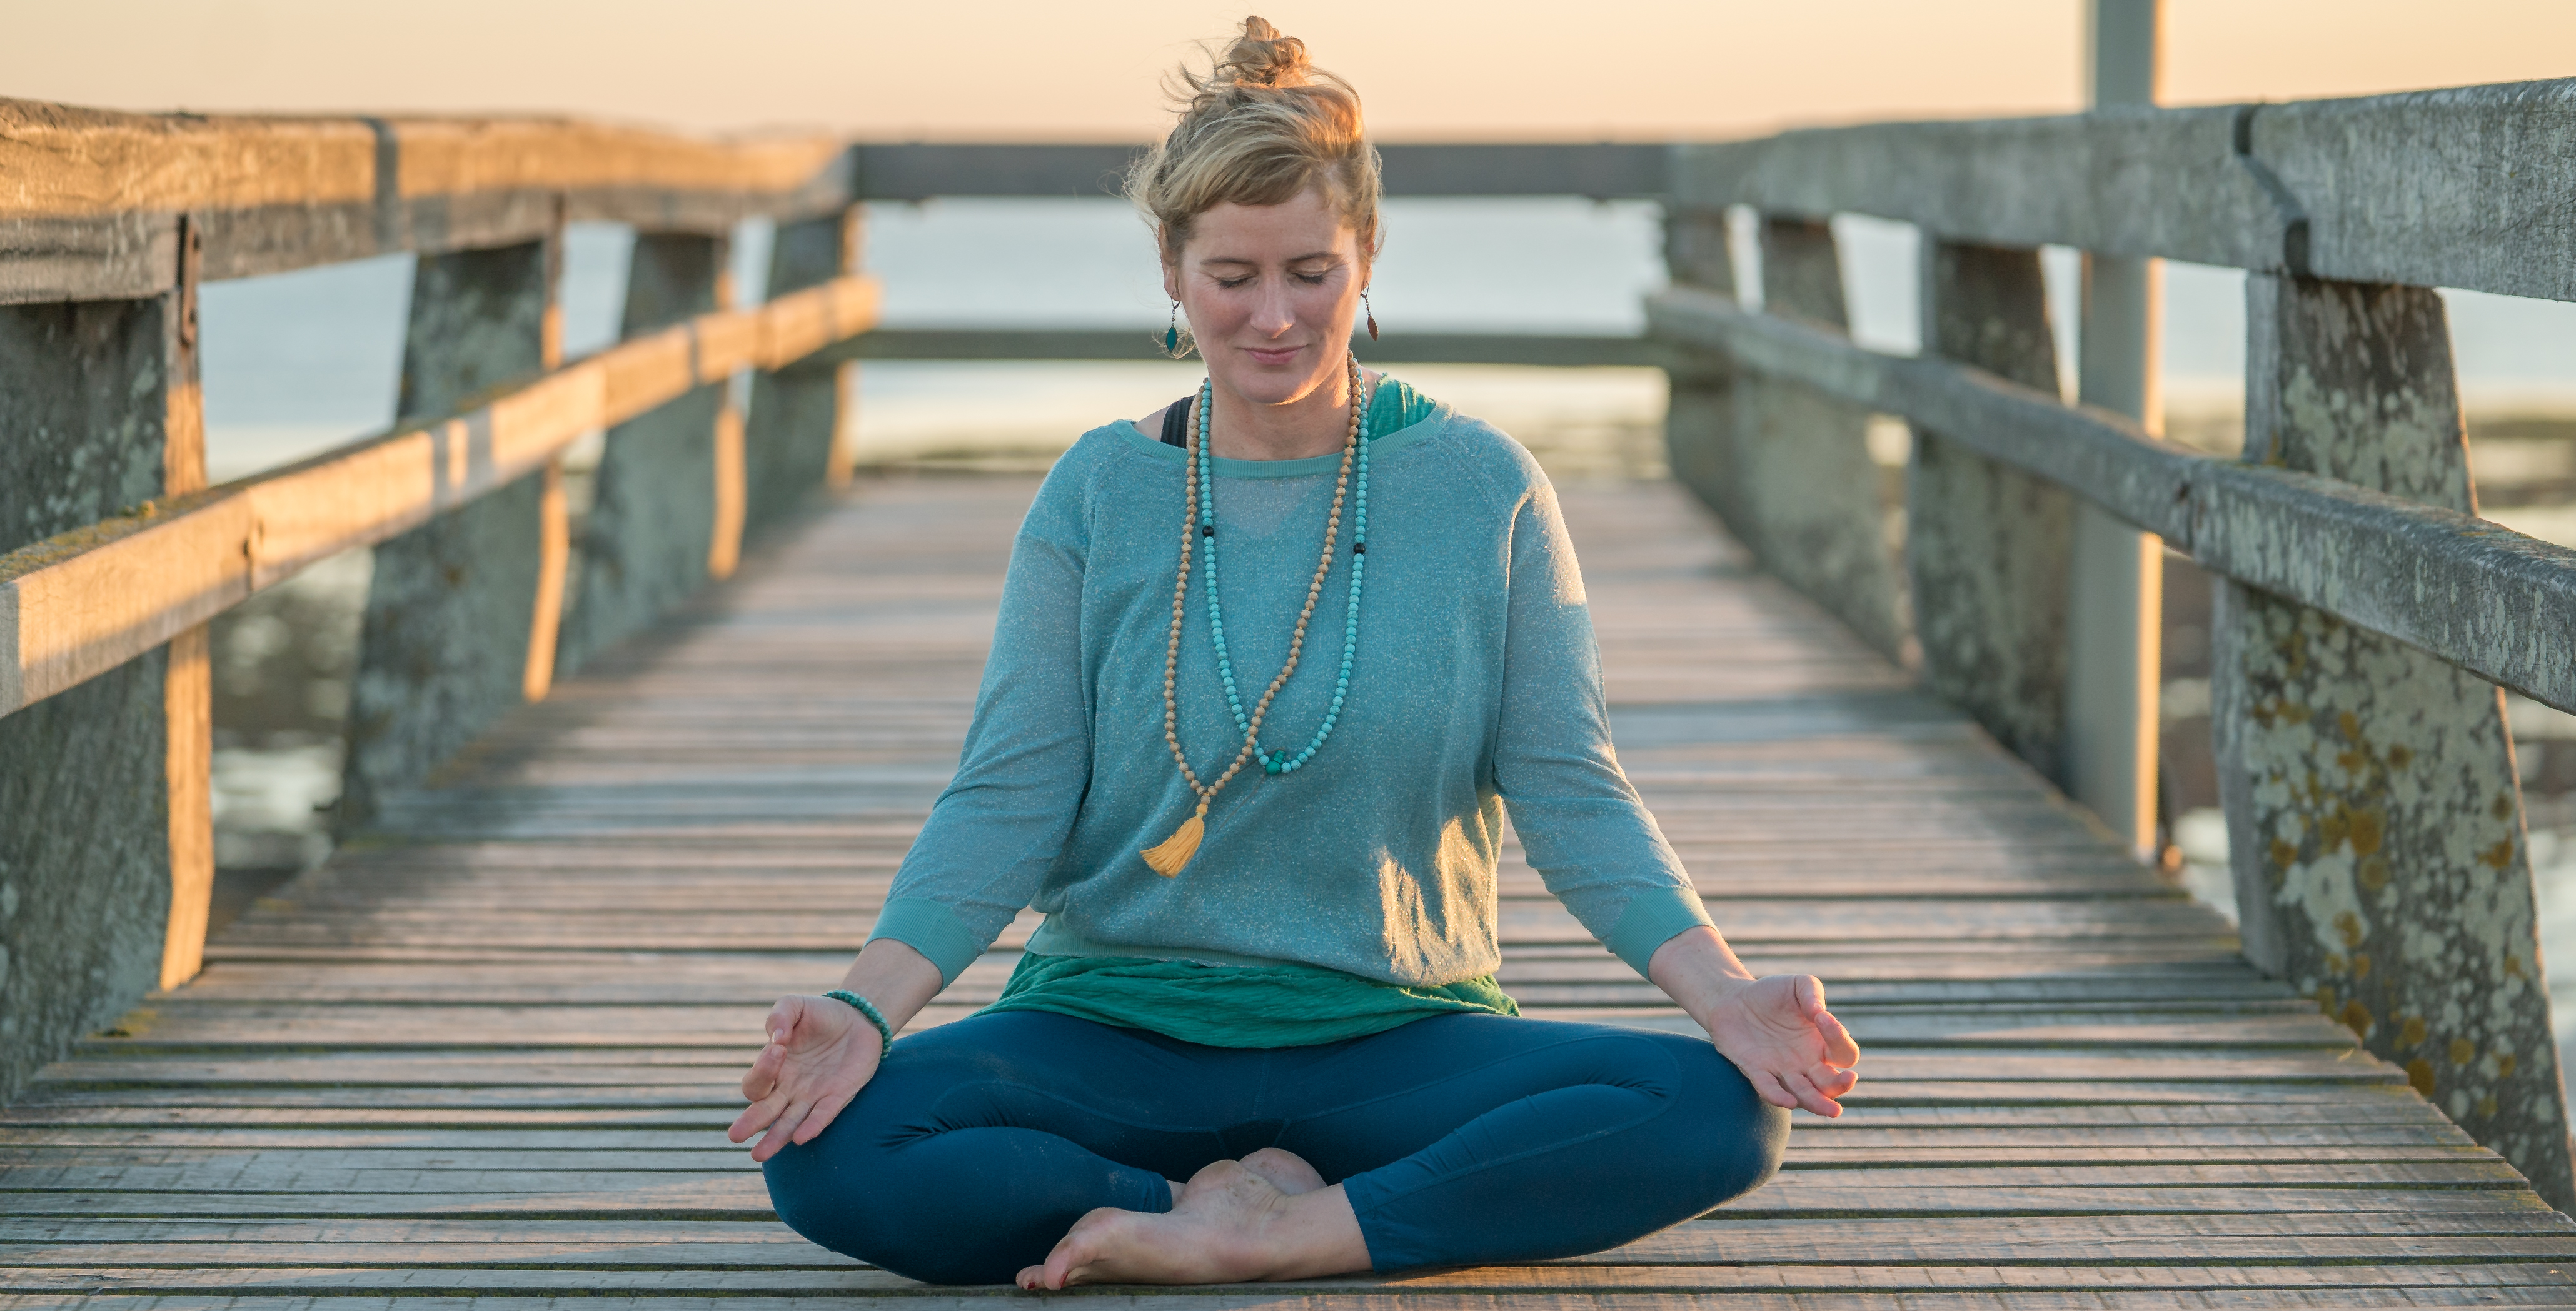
point(1987, 545)
point(2374, 818)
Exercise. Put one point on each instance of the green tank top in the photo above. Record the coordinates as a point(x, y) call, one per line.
point(1277, 1005)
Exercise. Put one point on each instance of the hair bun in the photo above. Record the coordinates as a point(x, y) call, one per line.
point(1261, 56)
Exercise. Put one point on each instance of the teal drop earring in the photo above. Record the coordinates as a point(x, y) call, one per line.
point(1172, 336)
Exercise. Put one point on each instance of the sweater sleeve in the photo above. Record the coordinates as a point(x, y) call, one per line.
point(998, 827)
point(1580, 822)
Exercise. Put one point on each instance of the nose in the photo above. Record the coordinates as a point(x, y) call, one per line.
point(1272, 315)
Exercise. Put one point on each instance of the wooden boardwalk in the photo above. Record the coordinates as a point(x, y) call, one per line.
point(490, 1059)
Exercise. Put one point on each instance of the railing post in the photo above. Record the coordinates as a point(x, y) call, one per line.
point(461, 612)
point(1986, 545)
point(1699, 413)
point(2374, 817)
point(794, 439)
point(106, 849)
point(658, 527)
point(1805, 479)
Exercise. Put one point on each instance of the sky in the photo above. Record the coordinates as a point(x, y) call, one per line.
point(1017, 69)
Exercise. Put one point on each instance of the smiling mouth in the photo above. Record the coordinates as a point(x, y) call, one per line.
point(1272, 354)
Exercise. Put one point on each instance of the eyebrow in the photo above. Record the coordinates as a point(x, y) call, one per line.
point(1293, 259)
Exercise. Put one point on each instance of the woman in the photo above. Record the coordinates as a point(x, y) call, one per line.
point(1258, 1035)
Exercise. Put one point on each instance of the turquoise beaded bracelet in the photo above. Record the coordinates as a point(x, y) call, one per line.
point(865, 1007)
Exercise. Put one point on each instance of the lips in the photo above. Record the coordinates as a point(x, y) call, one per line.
point(1272, 355)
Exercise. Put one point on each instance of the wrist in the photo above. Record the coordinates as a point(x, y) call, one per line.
point(867, 1011)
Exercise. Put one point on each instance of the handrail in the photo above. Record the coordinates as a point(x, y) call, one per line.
point(2475, 593)
point(2469, 187)
point(93, 200)
point(74, 606)
point(95, 197)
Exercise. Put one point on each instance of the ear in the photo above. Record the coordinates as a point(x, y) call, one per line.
point(1171, 266)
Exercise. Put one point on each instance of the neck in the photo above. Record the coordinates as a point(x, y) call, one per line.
point(1317, 423)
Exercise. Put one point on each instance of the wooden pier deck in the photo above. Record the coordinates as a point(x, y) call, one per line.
point(489, 1060)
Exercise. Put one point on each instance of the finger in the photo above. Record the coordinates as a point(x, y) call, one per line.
point(1768, 1086)
point(1840, 1048)
point(754, 1118)
point(820, 1118)
point(762, 1078)
point(1811, 996)
point(782, 1132)
point(1832, 1082)
point(1810, 1097)
point(781, 1024)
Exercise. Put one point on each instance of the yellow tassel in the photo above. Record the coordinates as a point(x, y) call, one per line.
point(1177, 849)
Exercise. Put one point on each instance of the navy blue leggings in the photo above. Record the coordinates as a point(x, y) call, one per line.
point(1460, 1139)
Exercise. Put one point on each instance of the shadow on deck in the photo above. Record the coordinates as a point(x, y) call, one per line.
point(492, 1055)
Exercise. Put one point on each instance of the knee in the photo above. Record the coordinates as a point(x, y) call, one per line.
point(843, 1191)
point(1727, 1137)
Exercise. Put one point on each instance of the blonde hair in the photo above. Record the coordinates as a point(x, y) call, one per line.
point(1263, 125)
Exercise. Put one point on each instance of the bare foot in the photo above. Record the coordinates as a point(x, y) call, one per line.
point(1286, 1171)
point(1230, 1226)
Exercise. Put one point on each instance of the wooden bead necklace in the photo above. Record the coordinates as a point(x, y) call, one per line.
point(1198, 528)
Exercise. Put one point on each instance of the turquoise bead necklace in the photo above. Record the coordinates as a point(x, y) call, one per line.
point(1280, 762)
point(1198, 524)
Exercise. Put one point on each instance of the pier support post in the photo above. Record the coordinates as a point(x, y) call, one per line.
point(1986, 545)
point(106, 846)
point(461, 612)
point(2115, 632)
point(1699, 413)
point(1808, 490)
point(795, 437)
point(2374, 817)
point(666, 508)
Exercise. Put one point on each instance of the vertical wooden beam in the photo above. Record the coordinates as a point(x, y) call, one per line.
point(554, 517)
point(1806, 484)
point(659, 523)
point(2373, 814)
point(1699, 413)
point(95, 419)
point(797, 414)
point(188, 691)
point(1986, 544)
point(453, 607)
point(2116, 627)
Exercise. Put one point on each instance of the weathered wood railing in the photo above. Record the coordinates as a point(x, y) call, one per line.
point(2368, 616)
point(119, 552)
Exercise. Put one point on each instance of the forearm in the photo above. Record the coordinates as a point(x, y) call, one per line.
point(896, 979)
point(1697, 970)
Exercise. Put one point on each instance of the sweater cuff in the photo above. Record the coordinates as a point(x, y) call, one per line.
point(931, 928)
point(1653, 917)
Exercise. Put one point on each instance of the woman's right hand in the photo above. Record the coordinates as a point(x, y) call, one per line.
point(821, 1052)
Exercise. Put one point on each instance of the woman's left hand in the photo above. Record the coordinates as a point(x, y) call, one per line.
point(1778, 1032)
point(1775, 1029)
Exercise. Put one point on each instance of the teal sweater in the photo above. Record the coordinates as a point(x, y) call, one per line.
point(1476, 689)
